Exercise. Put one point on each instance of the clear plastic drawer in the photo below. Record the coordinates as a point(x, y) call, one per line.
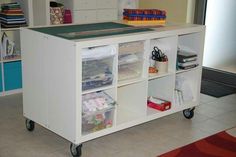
point(97, 121)
point(131, 47)
point(98, 110)
point(97, 67)
point(130, 71)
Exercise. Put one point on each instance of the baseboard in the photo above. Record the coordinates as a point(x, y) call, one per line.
point(219, 76)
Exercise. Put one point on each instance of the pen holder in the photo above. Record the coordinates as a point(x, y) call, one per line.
point(162, 67)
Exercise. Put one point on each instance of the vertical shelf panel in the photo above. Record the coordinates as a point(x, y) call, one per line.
point(12, 75)
point(41, 12)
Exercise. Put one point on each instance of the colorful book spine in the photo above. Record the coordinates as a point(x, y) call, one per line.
point(144, 16)
point(11, 15)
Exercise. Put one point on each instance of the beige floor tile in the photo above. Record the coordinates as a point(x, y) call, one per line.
point(212, 126)
point(210, 110)
point(149, 139)
point(132, 153)
point(229, 118)
point(91, 151)
point(206, 99)
point(226, 106)
point(229, 98)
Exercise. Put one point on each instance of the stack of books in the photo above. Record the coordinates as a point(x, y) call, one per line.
point(11, 15)
point(144, 16)
point(186, 60)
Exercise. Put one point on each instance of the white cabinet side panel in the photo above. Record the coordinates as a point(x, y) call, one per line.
point(49, 82)
point(34, 94)
point(61, 80)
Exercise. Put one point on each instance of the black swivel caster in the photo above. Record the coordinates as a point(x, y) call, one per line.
point(76, 150)
point(29, 125)
point(188, 113)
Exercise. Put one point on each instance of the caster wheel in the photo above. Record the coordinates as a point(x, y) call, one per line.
point(29, 125)
point(76, 150)
point(188, 113)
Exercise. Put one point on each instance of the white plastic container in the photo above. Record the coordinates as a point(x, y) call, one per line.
point(162, 67)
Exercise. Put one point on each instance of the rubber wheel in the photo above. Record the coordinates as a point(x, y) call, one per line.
point(76, 150)
point(188, 113)
point(29, 125)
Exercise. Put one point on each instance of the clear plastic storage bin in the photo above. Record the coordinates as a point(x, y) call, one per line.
point(98, 110)
point(97, 121)
point(131, 47)
point(130, 71)
point(97, 67)
point(130, 63)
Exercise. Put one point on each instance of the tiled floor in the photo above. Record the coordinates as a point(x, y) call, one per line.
point(146, 140)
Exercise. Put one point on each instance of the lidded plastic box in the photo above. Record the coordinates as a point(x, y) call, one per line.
point(98, 112)
point(130, 65)
point(97, 67)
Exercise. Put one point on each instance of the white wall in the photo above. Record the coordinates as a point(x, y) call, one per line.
point(176, 9)
point(220, 41)
point(190, 11)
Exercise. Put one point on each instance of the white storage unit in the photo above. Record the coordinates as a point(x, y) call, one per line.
point(53, 82)
point(10, 67)
point(89, 11)
point(37, 12)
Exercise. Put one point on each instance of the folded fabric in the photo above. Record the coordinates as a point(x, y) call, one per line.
point(13, 11)
point(126, 73)
point(12, 25)
point(11, 16)
point(13, 22)
point(12, 19)
point(98, 52)
point(127, 59)
point(7, 6)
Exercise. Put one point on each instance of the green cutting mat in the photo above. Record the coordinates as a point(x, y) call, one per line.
point(84, 31)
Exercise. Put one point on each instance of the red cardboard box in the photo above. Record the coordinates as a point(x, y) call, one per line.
point(163, 106)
